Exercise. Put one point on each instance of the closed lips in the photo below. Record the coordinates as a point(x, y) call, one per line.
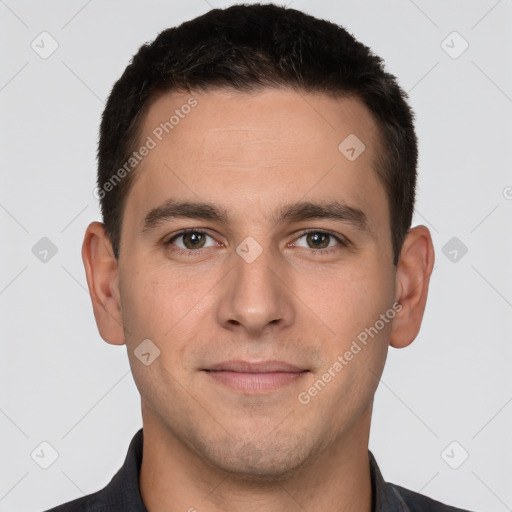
point(259, 367)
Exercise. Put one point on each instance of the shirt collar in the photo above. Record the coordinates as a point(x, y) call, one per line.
point(123, 492)
point(385, 497)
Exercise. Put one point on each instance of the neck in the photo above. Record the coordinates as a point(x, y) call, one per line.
point(174, 478)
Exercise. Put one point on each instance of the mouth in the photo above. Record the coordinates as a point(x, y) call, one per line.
point(255, 378)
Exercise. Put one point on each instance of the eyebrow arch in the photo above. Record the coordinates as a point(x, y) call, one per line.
point(291, 212)
point(172, 209)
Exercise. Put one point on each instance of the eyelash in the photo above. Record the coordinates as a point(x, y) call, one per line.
point(191, 252)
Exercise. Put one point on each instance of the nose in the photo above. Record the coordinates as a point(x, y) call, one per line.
point(256, 295)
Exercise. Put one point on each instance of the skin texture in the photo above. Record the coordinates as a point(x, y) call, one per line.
point(207, 445)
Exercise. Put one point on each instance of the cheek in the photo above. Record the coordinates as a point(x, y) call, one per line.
point(154, 307)
point(354, 300)
point(363, 326)
point(353, 358)
point(148, 302)
point(158, 305)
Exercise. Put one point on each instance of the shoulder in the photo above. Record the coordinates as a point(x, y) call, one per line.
point(89, 503)
point(419, 503)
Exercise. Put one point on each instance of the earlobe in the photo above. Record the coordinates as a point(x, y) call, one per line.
point(101, 269)
point(412, 280)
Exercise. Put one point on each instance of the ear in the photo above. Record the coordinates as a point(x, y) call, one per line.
point(412, 279)
point(102, 278)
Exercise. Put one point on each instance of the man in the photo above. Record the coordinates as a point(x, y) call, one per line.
point(257, 171)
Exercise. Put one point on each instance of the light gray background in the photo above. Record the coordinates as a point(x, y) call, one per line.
point(62, 384)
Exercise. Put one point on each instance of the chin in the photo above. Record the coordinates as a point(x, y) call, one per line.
point(257, 460)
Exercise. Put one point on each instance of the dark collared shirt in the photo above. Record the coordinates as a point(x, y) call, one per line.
point(122, 493)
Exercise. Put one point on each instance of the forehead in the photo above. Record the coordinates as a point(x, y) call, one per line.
point(240, 150)
point(270, 118)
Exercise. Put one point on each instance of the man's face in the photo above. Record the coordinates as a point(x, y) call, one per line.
point(257, 289)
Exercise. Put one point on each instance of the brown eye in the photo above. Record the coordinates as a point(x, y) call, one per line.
point(193, 240)
point(318, 240)
point(190, 240)
point(321, 240)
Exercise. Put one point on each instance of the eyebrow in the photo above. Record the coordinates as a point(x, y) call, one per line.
point(291, 212)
